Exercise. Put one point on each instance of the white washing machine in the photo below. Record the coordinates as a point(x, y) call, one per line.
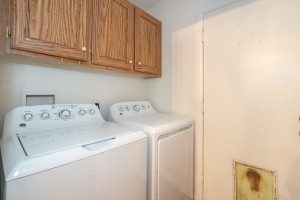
point(170, 149)
point(68, 152)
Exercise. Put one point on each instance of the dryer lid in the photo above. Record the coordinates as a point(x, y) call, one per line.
point(157, 123)
point(48, 141)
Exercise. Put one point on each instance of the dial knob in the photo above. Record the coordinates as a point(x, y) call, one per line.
point(121, 109)
point(92, 111)
point(127, 108)
point(82, 112)
point(28, 117)
point(65, 114)
point(45, 115)
point(136, 108)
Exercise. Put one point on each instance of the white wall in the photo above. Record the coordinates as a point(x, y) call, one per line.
point(252, 93)
point(74, 84)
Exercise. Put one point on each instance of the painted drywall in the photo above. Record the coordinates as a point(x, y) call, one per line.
point(74, 84)
point(252, 99)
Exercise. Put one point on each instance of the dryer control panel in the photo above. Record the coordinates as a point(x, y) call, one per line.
point(43, 117)
point(123, 110)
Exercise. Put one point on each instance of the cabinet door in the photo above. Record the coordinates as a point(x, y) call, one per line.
point(51, 27)
point(147, 43)
point(113, 34)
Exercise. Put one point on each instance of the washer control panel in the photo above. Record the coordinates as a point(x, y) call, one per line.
point(123, 110)
point(42, 117)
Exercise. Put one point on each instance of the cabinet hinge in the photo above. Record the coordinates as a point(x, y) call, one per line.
point(8, 32)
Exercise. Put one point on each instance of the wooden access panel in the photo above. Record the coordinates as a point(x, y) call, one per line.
point(113, 34)
point(147, 43)
point(51, 27)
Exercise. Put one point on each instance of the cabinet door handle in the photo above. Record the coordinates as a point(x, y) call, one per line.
point(83, 48)
point(139, 63)
point(130, 61)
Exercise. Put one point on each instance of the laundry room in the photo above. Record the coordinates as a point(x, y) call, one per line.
point(231, 66)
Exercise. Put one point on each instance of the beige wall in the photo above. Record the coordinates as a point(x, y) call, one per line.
point(252, 98)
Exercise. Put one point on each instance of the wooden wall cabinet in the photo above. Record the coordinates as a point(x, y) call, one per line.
point(109, 34)
point(147, 43)
point(51, 27)
point(113, 34)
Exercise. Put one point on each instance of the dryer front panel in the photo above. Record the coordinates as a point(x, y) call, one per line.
point(175, 166)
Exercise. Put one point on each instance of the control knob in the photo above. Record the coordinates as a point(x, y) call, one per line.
point(82, 112)
point(136, 108)
point(45, 115)
point(127, 108)
point(65, 114)
point(28, 117)
point(92, 111)
point(121, 109)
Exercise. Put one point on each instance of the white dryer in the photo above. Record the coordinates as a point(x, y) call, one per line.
point(68, 152)
point(170, 148)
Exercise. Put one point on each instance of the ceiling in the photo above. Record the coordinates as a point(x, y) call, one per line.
point(144, 4)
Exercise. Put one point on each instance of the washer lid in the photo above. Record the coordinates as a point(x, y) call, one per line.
point(48, 141)
point(157, 123)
